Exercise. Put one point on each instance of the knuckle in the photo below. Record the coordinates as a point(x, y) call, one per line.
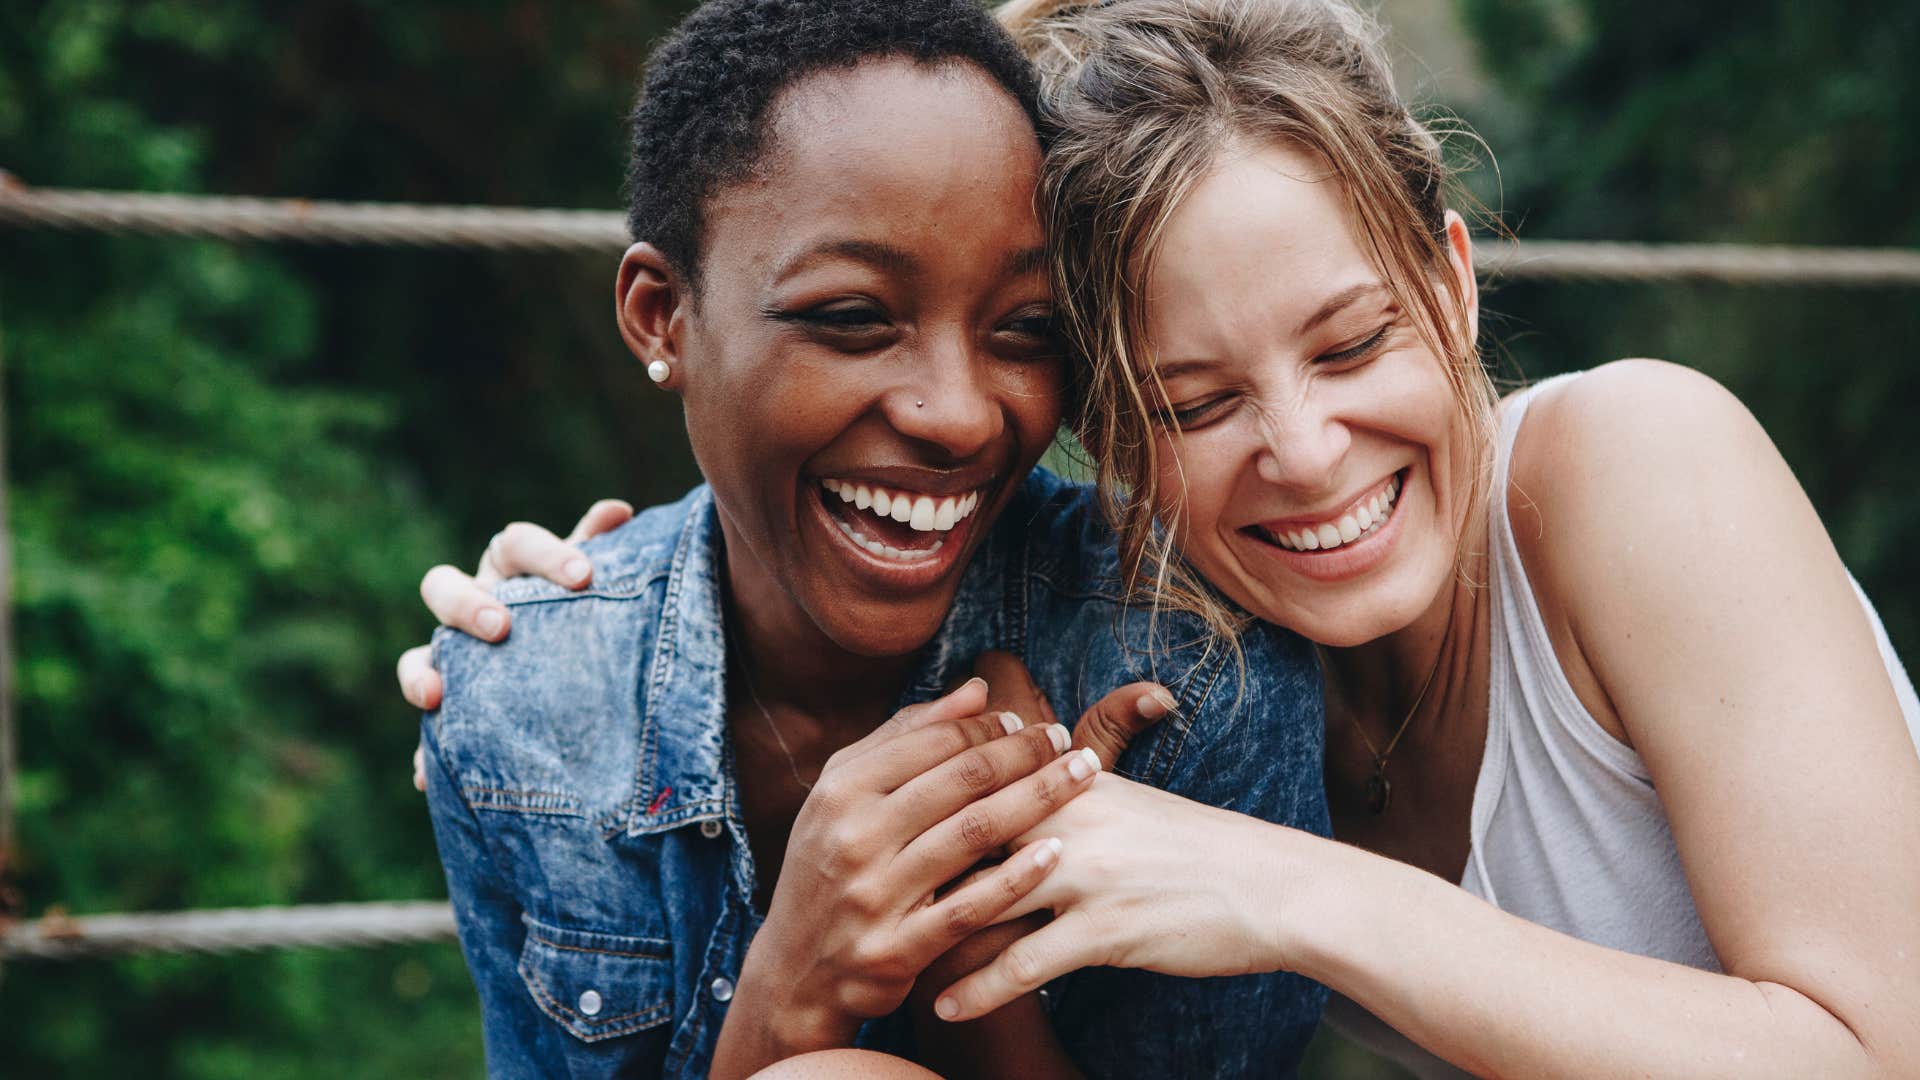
point(976, 773)
point(962, 917)
point(1024, 964)
point(1049, 793)
point(976, 830)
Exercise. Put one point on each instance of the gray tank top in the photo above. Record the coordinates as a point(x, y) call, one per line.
point(1567, 830)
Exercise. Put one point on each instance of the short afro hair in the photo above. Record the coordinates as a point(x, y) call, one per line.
point(700, 122)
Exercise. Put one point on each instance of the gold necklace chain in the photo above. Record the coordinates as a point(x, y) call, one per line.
point(746, 675)
point(1379, 788)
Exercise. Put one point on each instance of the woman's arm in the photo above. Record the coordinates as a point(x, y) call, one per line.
point(1709, 603)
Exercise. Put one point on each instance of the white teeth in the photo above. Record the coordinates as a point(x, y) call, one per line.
point(1362, 520)
point(922, 520)
point(922, 513)
point(888, 551)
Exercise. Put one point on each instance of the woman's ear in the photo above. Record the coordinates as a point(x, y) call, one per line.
point(650, 303)
point(1460, 258)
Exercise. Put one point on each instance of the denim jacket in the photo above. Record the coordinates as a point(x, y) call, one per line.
point(582, 791)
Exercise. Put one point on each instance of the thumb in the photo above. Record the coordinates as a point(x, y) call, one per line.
point(1114, 720)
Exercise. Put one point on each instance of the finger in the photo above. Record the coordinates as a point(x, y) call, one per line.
point(1012, 685)
point(937, 792)
point(899, 761)
point(1063, 945)
point(419, 769)
point(969, 699)
point(960, 914)
point(526, 548)
point(603, 516)
point(419, 682)
point(1114, 720)
point(949, 847)
point(456, 601)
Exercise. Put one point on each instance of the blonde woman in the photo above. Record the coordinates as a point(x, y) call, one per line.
point(1621, 764)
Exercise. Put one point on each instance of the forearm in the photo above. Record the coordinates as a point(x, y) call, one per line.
point(1501, 996)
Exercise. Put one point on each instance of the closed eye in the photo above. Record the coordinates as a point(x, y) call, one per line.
point(1360, 351)
point(1198, 414)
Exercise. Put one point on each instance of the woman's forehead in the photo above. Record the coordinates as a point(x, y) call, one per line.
point(895, 154)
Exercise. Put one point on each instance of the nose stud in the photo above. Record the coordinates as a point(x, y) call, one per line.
point(919, 404)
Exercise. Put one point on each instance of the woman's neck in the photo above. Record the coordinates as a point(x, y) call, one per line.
point(1427, 665)
point(789, 662)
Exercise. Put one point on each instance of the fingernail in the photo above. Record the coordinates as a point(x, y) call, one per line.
point(576, 570)
point(490, 621)
point(970, 682)
point(1060, 738)
point(947, 1008)
point(1011, 723)
point(1049, 851)
point(1150, 707)
point(1083, 764)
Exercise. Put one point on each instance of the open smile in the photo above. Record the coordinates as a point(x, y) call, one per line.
point(899, 537)
point(1345, 543)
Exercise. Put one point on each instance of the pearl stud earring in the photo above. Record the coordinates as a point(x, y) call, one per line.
point(658, 371)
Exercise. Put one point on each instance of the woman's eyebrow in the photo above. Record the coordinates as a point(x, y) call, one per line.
point(881, 256)
point(1339, 301)
point(1022, 263)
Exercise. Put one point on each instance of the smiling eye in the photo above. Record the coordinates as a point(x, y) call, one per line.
point(848, 327)
point(1195, 415)
point(1360, 351)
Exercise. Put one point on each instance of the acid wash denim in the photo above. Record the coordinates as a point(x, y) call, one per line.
point(581, 783)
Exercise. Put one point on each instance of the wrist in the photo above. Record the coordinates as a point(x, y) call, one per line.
point(769, 1020)
point(1284, 876)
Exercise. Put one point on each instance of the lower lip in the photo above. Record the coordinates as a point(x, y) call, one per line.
point(1347, 560)
point(894, 575)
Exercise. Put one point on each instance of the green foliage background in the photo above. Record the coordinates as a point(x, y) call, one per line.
point(229, 464)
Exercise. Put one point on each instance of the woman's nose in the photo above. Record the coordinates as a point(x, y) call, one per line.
point(1300, 448)
point(950, 402)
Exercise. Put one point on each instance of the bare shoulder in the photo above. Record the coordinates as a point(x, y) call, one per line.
point(1638, 485)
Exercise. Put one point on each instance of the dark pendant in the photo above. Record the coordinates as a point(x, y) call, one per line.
point(1379, 793)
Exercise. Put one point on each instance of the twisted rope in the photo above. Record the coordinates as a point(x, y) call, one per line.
point(328, 926)
point(604, 232)
point(302, 221)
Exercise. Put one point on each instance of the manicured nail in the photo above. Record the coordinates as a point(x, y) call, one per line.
point(1060, 738)
point(1011, 723)
point(1083, 764)
point(1049, 851)
point(576, 570)
point(970, 682)
point(490, 621)
point(947, 1008)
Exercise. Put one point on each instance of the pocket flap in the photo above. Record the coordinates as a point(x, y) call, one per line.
point(598, 986)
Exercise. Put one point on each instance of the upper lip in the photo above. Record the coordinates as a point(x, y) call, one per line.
point(915, 478)
point(1323, 517)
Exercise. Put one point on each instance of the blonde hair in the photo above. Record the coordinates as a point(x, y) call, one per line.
point(1140, 97)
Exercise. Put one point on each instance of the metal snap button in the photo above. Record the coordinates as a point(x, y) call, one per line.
point(722, 989)
point(711, 828)
point(590, 1003)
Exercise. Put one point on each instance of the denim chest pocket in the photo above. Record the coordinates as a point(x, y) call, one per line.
point(598, 986)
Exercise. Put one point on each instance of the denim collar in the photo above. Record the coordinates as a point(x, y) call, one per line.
point(685, 771)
